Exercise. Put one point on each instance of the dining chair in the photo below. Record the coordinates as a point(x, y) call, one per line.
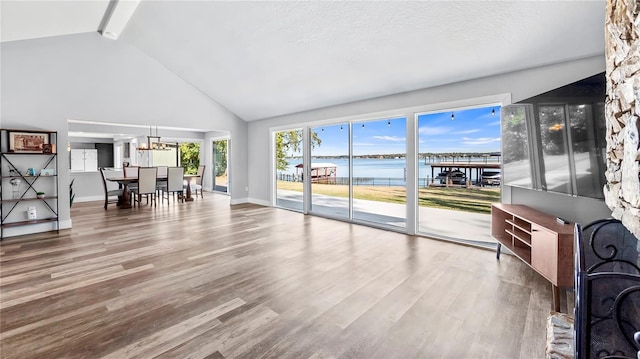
point(174, 184)
point(109, 194)
point(131, 171)
point(162, 171)
point(197, 185)
point(162, 178)
point(147, 179)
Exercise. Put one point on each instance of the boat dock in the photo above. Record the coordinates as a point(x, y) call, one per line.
point(467, 167)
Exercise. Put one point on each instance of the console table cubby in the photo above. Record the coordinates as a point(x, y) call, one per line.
point(538, 240)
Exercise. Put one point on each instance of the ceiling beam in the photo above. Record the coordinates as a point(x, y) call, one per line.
point(116, 17)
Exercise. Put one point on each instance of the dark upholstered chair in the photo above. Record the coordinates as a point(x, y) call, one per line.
point(109, 194)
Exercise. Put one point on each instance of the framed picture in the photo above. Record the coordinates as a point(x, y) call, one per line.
point(27, 142)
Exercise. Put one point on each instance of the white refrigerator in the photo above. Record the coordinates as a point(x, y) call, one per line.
point(84, 160)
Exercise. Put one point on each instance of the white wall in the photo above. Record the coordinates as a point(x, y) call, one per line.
point(521, 85)
point(88, 185)
point(576, 209)
point(45, 82)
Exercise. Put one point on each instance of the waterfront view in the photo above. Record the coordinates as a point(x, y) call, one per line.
point(458, 171)
point(387, 171)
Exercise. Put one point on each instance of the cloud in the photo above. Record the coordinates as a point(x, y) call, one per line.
point(431, 131)
point(365, 144)
point(466, 132)
point(390, 138)
point(495, 123)
point(480, 141)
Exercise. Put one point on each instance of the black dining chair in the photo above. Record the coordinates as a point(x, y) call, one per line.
point(109, 194)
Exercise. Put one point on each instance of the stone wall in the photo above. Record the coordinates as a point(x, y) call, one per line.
point(622, 39)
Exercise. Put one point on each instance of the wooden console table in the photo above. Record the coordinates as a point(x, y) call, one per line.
point(538, 240)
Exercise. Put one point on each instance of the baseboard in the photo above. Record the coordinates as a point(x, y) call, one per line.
point(66, 224)
point(88, 199)
point(238, 201)
point(259, 202)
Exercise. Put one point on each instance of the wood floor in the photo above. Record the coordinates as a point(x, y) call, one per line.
point(206, 280)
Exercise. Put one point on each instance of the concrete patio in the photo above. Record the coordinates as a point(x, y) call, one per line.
point(437, 222)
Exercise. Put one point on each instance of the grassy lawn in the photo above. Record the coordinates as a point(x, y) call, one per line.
point(476, 200)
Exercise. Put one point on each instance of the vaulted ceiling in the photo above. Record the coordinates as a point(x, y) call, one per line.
point(264, 59)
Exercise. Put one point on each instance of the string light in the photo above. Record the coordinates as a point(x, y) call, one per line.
point(388, 123)
point(493, 112)
point(363, 125)
point(340, 127)
point(452, 116)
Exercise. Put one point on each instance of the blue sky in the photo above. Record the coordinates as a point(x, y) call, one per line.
point(474, 130)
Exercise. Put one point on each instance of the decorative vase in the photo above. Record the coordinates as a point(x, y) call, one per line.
point(15, 187)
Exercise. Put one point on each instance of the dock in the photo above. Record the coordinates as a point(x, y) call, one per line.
point(466, 167)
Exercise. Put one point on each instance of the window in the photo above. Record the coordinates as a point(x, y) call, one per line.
point(515, 147)
point(563, 143)
point(556, 141)
point(588, 131)
point(555, 156)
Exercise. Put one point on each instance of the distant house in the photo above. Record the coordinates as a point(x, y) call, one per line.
point(320, 172)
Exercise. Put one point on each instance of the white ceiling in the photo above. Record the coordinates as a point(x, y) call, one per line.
point(23, 20)
point(27, 19)
point(264, 59)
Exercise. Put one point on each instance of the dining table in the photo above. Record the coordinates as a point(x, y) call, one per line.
point(125, 201)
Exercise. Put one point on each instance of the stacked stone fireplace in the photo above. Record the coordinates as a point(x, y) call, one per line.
point(622, 108)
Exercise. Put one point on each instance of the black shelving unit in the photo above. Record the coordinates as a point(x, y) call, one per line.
point(16, 161)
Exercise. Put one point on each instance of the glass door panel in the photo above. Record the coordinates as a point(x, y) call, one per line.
point(288, 152)
point(459, 173)
point(330, 170)
point(220, 169)
point(379, 171)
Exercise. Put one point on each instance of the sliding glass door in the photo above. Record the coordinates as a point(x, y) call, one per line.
point(330, 168)
point(357, 171)
point(289, 146)
point(459, 173)
point(379, 171)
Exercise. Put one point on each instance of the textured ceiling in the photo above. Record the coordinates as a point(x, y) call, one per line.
point(264, 59)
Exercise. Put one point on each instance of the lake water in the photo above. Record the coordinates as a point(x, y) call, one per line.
point(376, 168)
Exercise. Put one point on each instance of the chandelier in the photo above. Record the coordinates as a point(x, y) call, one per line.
point(153, 143)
